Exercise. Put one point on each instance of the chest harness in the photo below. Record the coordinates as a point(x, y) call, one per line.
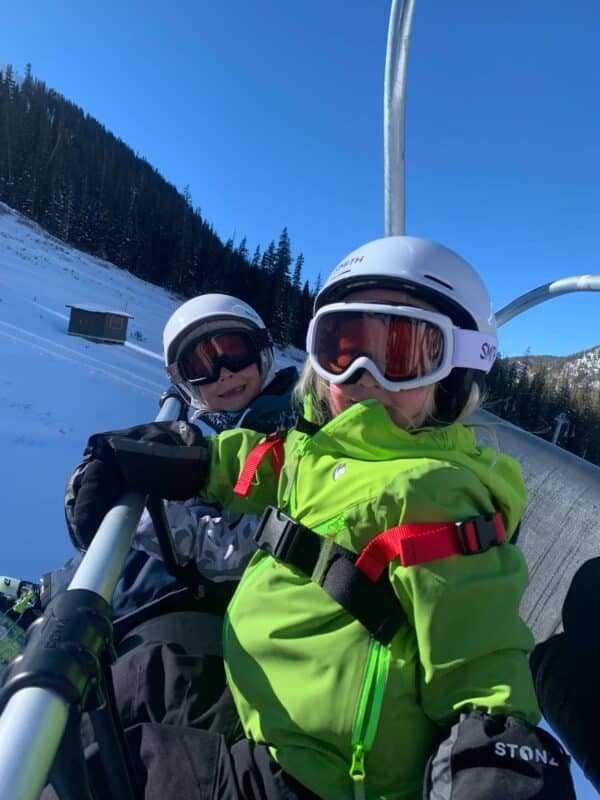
point(359, 581)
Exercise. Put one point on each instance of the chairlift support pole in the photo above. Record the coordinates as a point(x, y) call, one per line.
point(561, 419)
point(396, 64)
point(34, 719)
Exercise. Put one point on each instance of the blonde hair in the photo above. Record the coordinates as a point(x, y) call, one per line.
point(314, 388)
point(474, 401)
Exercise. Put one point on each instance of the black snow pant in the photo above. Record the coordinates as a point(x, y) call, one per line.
point(170, 671)
point(188, 764)
point(181, 725)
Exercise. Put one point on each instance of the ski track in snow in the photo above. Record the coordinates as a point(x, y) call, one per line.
point(144, 351)
point(64, 317)
point(52, 348)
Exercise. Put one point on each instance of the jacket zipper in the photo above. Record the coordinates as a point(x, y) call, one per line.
point(368, 711)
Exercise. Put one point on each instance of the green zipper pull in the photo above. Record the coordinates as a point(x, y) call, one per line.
point(357, 771)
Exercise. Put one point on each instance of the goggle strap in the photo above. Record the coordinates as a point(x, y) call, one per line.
point(474, 350)
point(174, 373)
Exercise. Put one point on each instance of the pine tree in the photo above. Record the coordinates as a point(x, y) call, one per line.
point(242, 250)
point(297, 327)
point(256, 258)
point(537, 421)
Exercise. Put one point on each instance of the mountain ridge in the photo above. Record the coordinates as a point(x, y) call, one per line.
point(582, 367)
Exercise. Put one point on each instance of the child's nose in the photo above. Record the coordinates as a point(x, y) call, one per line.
point(367, 380)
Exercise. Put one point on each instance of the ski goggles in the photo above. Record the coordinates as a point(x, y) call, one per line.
point(201, 360)
point(402, 347)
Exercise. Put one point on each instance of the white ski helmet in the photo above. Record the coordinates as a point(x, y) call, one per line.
point(429, 272)
point(208, 313)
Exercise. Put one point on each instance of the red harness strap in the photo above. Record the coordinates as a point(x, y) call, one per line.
point(420, 542)
point(273, 444)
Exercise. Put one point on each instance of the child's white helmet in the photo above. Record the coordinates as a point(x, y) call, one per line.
point(207, 313)
point(431, 273)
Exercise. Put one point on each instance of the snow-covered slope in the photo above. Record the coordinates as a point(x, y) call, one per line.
point(56, 389)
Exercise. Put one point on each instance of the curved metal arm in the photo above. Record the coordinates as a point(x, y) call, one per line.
point(396, 62)
point(576, 283)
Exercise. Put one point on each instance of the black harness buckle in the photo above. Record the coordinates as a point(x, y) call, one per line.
point(278, 534)
point(484, 530)
point(332, 567)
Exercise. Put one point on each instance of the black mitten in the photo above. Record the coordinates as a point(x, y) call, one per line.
point(495, 758)
point(165, 459)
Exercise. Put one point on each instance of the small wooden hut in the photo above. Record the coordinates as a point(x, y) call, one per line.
point(98, 324)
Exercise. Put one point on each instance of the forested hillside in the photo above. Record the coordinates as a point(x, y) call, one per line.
point(62, 168)
point(533, 391)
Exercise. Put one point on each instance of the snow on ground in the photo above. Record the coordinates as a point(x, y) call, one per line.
point(57, 389)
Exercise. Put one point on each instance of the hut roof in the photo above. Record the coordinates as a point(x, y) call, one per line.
point(98, 309)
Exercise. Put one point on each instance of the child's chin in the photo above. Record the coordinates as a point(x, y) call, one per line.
point(400, 418)
point(236, 403)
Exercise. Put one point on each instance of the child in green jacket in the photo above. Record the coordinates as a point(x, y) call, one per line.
point(374, 646)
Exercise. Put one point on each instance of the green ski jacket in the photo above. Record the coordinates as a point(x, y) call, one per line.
point(345, 715)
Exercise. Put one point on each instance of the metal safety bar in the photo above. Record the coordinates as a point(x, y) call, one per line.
point(34, 719)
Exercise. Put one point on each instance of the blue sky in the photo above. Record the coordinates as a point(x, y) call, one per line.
point(271, 111)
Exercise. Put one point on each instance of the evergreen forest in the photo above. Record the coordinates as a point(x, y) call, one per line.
point(63, 169)
point(532, 398)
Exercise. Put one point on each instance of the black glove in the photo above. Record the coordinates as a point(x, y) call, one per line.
point(165, 459)
point(495, 758)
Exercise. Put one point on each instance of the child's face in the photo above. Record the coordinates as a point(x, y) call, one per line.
point(405, 407)
point(232, 391)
